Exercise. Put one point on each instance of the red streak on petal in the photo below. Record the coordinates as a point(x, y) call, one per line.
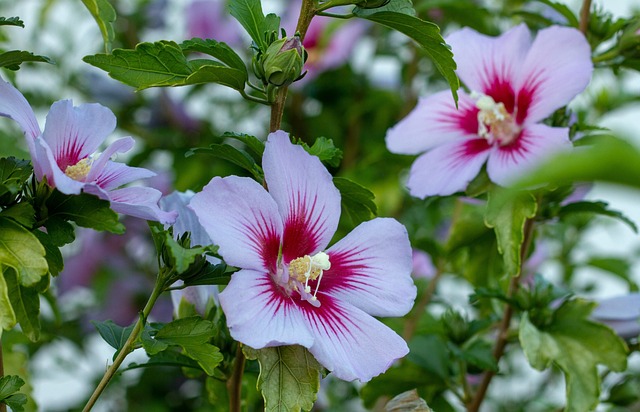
point(348, 270)
point(502, 92)
point(527, 94)
point(266, 241)
point(515, 150)
point(301, 234)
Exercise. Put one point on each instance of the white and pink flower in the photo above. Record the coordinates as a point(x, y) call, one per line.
point(290, 289)
point(515, 82)
point(64, 154)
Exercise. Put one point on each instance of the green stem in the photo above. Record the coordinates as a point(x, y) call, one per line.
point(333, 3)
point(234, 384)
point(3, 406)
point(608, 55)
point(128, 346)
point(336, 16)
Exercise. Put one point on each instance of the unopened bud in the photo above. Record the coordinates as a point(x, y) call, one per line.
point(283, 61)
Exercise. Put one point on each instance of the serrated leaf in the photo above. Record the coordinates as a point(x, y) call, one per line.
point(60, 231)
point(210, 275)
point(26, 305)
point(10, 385)
point(233, 155)
point(507, 216)
point(249, 14)
point(215, 49)
point(427, 35)
point(255, 145)
point(52, 253)
point(207, 356)
point(114, 335)
point(85, 210)
point(181, 257)
point(289, 377)
point(12, 59)
point(22, 213)
point(21, 250)
point(325, 150)
point(577, 345)
point(598, 208)
point(357, 201)
point(151, 346)
point(13, 176)
point(11, 21)
point(105, 15)
point(7, 315)
point(187, 331)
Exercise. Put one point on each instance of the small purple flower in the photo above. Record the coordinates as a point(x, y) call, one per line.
point(207, 19)
point(290, 289)
point(422, 265)
point(620, 313)
point(515, 82)
point(65, 154)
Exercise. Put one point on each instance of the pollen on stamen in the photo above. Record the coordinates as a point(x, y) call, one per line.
point(80, 170)
point(495, 123)
point(306, 268)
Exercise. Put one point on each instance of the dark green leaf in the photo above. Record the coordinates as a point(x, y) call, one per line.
point(289, 377)
point(507, 216)
point(13, 58)
point(216, 49)
point(396, 6)
point(255, 145)
point(599, 208)
point(10, 385)
point(468, 225)
point(21, 250)
point(186, 331)
point(577, 345)
point(430, 353)
point(181, 257)
point(207, 356)
point(325, 150)
point(7, 315)
point(152, 346)
point(480, 354)
point(21, 213)
point(166, 358)
point(11, 21)
point(249, 14)
point(105, 15)
point(427, 35)
point(85, 210)
point(210, 275)
point(16, 402)
point(13, 176)
point(60, 231)
point(26, 305)
point(114, 335)
point(52, 253)
point(226, 76)
point(565, 11)
point(357, 201)
point(233, 155)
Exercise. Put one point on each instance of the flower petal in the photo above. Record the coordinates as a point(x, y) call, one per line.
point(48, 167)
point(557, 68)
point(433, 122)
point(119, 146)
point(350, 343)
point(113, 175)
point(371, 269)
point(137, 201)
point(448, 168)
point(187, 220)
point(14, 106)
point(307, 199)
point(74, 133)
point(260, 315)
point(490, 64)
point(536, 143)
point(241, 218)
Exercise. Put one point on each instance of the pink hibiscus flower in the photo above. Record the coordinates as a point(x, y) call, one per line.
point(290, 290)
point(64, 154)
point(515, 83)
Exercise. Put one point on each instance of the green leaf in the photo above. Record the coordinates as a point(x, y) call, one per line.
point(467, 226)
point(233, 155)
point(85, 210)
point(427, 35)
point(181, 257)
point(7, 315)
point(396, 6)
point(13, 58)
point(480, 354)
point(11, 21)
point(564, 11)
point(255, 145)
point(105, 15)
point(249, 14)
point(9, 385)
point(576, 345)
point(114, 335)
point(186, 331)
point(26, 305)
point(216, 49)
point(22, 213)
point(60, 231)
point(209, 73)
point(16, 402)
point(210, 275)
point(357, 201)
point(325, 150)
point(207, 356)
point(289, 377)
point(52, 253)
point(507, 216)
point(599, 208)
point(13, 176)
point(166, 358)
point(152, 346)
point(21, 250)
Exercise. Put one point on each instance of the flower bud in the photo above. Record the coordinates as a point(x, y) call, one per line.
point(372, 4)
point(283, 61)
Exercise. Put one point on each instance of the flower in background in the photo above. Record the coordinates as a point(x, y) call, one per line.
point(620, 313)
point(290, 290)
point(65, 155)
point(422, 265)
point(208, 19)
point(187, 221)
point(515, 83)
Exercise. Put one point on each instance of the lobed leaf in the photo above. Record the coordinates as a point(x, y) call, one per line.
point(9, 385)
point(215, 49)
point(325, 150)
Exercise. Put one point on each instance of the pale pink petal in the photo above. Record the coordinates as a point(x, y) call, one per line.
point(48, 167)
point(14, 106)
point(260, 315)
point(74, 133)
point(490, 65)
point(113, 175)
point(371, 269)
point(187, 220)
point(137, 201)
point(307, 199)
point(198, 296)
point(241, 218)
point(447, 169)
point(351, 343)
point(433, 122)
point(119, 146)
point(536, 143)
point(557, 68)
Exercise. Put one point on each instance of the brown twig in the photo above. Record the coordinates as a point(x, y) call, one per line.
point(234, 384)
point(584, 16)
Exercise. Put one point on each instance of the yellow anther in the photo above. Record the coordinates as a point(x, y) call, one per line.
point(495, 123)
point(80, 170)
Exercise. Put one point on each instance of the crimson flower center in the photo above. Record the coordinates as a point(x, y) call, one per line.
point(495, 123)
point(304, 269)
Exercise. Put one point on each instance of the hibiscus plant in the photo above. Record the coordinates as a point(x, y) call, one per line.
point(329, 205)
